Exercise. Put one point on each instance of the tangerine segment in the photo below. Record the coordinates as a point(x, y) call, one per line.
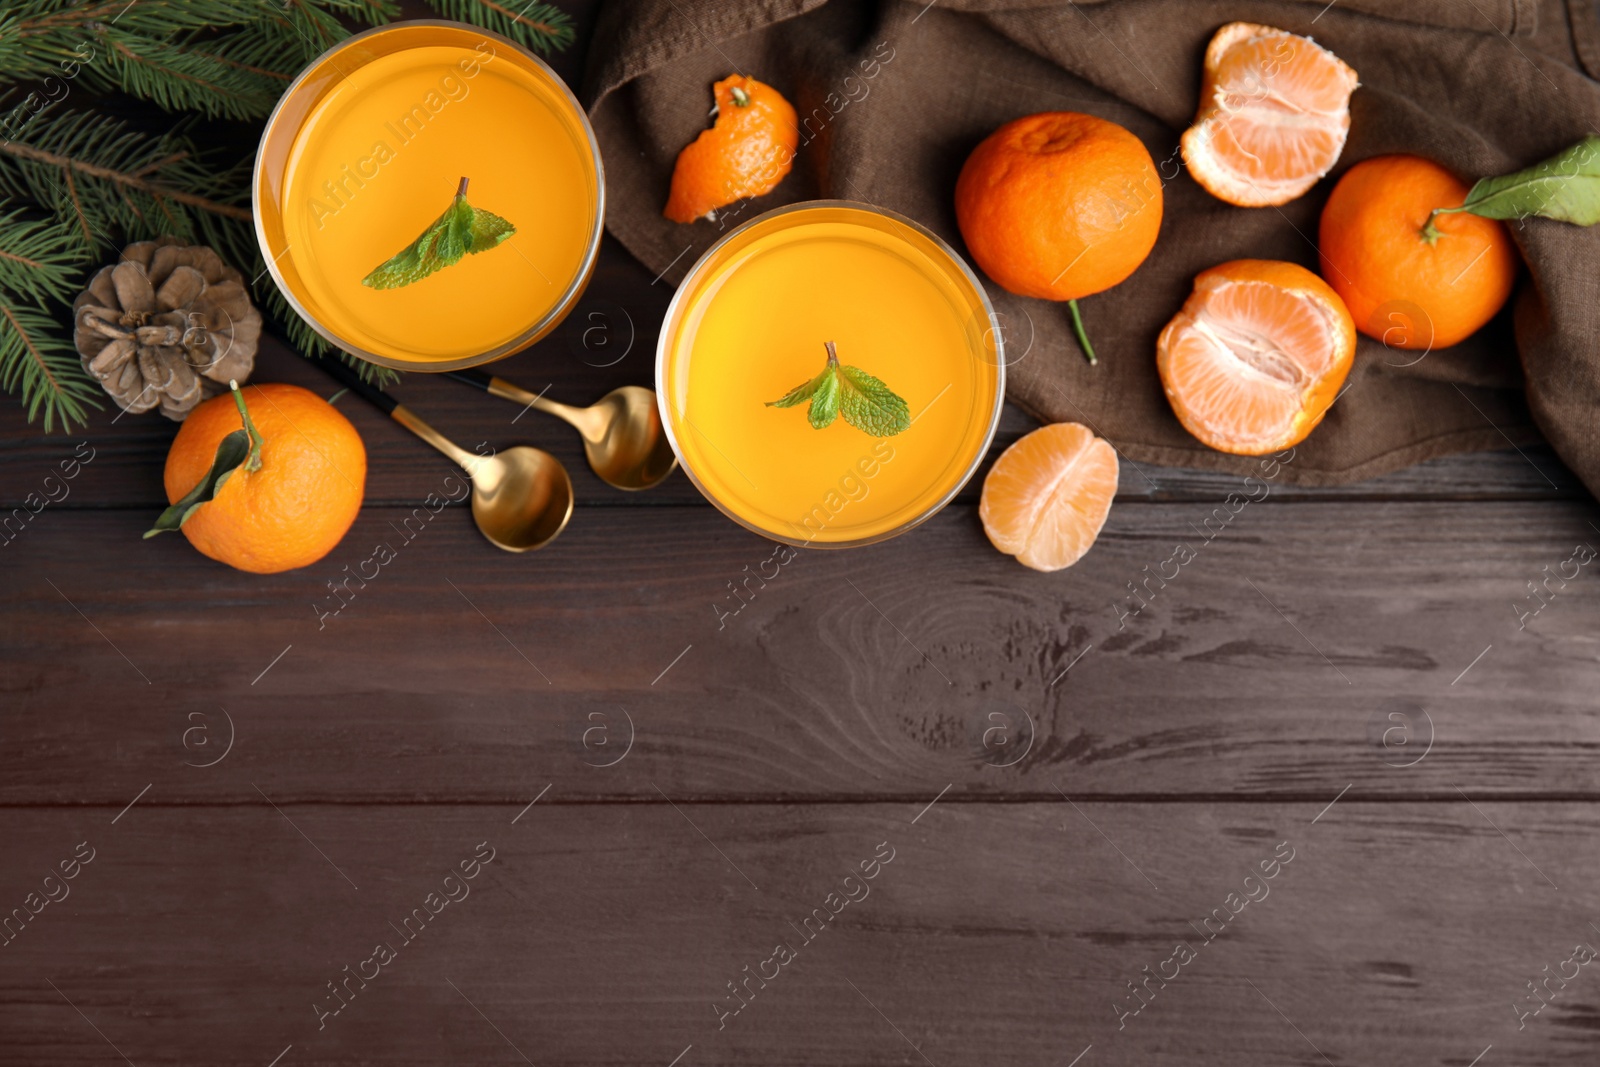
point(746, 152)
point(1257, 355)
point(1274, 114)
point(1048, 495)
point(1403, 288)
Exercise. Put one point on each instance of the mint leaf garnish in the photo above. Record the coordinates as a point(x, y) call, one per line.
point(461, 230)
point(871, 406)
point(825, 401)
point(800, 393)
point(866, 402)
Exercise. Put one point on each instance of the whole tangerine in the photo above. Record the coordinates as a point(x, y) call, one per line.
point(1412, 279)
point(1058, 206)
point(296, 506)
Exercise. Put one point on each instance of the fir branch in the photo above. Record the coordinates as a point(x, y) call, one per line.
point(180, 78)
point(285, 35)
point(39, 265)
point(42, 366)
point(224, 58)
point(130, 181)
point(314, 29)
point(249, 50)
point(368, 12)
point(158, 19)
point(21, 59)
point(37, 259)
point(110, 180)
point(541, 27)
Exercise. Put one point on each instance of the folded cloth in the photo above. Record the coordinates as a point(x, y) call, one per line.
point(893, 95)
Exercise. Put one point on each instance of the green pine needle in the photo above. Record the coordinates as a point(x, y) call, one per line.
point(221, 58)
point(160, 19)
point(40, 365)
point(40, 268)
point(110, 184)
point(544, 28)
point(37, 258)
point(182, 77)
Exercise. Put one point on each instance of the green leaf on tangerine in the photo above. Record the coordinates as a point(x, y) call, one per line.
point(1565, 187)
point(232, 451)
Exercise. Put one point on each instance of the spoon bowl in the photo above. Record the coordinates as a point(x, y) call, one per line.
point(633, 453)
point(622, 433)
point(521, 498)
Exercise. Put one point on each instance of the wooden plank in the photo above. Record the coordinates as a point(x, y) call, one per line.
point(998, 934)
point(1301, 649)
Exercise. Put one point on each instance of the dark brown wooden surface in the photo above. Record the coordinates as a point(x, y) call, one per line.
point(1354, 671)
point(1399, 933)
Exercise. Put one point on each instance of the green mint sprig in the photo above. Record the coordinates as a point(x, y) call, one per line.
point(461, 230)
point(865, 402)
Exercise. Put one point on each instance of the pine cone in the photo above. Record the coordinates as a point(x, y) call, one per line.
point(168, 324)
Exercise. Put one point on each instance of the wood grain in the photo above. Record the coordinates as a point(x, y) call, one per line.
point(1359, 672)
point(997, 934)
point(1306, 647)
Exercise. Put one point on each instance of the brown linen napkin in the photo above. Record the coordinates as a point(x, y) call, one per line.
point(894, 94)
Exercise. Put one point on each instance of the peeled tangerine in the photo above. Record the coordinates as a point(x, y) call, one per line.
point(1047, 496)
point(1274, 114)
point(746, 152)
point(1257, 355)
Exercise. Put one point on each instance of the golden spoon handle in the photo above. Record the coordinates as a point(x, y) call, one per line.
point(413, 422)
point(590, 422)
point(578, 418)
point(396, 411)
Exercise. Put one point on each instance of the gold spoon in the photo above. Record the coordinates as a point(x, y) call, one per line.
point(621, 433)
point(521, 498)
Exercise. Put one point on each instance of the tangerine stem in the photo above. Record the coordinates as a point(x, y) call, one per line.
point(1430, 232)
point(1077, 328)
point(253, 460)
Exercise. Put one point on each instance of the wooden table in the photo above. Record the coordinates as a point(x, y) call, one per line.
point(1339, 759)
